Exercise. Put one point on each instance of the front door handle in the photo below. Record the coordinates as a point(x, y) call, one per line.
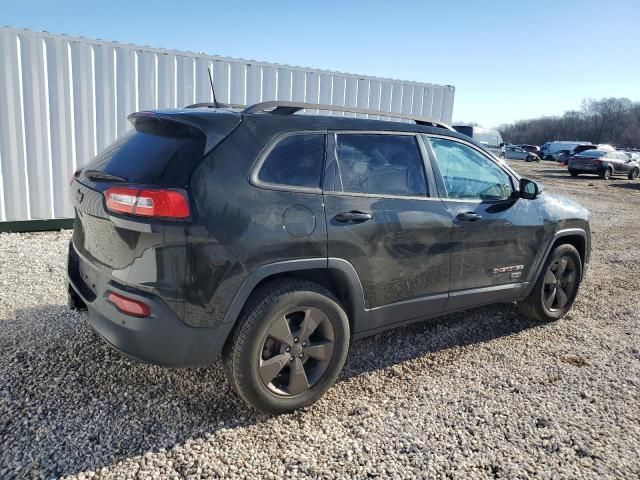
point(468, 216)
point(353, 216)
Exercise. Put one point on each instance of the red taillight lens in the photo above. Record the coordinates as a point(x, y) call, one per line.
point(147, 203)
point(597, 162)
point(129, 306)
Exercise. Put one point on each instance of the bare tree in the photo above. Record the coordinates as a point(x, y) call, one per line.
point(609, 120)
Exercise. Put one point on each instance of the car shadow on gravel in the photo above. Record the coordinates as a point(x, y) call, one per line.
point(70, 403)
point(629, 186)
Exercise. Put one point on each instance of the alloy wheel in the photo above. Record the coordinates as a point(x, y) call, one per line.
point(559, 283)
point(297, 351)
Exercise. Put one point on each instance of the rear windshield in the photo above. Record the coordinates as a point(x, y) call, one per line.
point(592, 153)
point(158, 152)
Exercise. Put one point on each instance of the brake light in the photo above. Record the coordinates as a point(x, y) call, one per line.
point(129, 306)
point(147, 203)
point(597, 162)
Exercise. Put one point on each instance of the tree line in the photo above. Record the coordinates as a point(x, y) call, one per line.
point(615, 121)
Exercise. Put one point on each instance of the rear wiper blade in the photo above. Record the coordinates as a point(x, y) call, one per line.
point(102, 176)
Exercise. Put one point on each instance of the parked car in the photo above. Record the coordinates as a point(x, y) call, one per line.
point(604, 163)
point(530, 148)
point(273, 240)
point(563, 156)
point(549, 150)
point(517, 153)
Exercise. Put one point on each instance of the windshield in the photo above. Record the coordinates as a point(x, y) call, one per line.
point(592, 153)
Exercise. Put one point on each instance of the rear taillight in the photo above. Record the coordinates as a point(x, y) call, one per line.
point(147, 203)
point(597, 162)
point(129, 306)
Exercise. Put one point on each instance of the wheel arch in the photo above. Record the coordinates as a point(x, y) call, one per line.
point(573, 236)
point(336, 275)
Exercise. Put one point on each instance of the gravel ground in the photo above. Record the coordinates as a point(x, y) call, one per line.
point(481, 394)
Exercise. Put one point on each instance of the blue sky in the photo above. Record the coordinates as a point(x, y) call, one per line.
point(508, 60)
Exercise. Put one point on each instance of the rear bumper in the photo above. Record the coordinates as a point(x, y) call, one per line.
point(161, 339)
point(586, 168)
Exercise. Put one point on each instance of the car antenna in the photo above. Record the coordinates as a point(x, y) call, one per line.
point(215, 102)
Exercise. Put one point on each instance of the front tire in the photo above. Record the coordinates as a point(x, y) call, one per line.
point(556, 288)
point(289, 346)
point(633, 174)
point(574, 173)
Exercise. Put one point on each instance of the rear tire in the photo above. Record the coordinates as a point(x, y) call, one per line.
point(574, 173)
point(606, 175)
point(556, 288)
point(633, 174)
point(289, 346)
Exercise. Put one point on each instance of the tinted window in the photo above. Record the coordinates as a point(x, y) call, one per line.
point(592, 153)
point(468, 174)
point(157, 152)
point(379, 165)
point(296, 161)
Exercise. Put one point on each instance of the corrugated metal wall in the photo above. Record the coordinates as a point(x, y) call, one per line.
point(63, 99)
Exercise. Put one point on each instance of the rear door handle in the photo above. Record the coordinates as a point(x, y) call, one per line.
point(353, 216)
point(468, 216)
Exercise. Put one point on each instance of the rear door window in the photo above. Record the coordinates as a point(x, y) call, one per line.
point(377, 164)
point(295, 161)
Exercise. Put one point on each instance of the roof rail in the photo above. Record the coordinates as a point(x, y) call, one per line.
point(278, 107)
point(215, 105)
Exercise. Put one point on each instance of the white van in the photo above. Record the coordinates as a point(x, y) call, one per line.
point(549, 150)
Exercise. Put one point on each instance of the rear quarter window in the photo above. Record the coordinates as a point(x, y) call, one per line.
point(294, 161)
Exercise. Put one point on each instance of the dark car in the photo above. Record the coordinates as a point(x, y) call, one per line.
point(604, 163)
point(530, 148)
point(273, 240)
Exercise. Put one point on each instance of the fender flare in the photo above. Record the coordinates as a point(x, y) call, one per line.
point(337, 265)
point(559, 234)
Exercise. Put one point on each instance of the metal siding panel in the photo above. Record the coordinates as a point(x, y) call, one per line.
point(254, 84)
point(436, 108)
point(36, 126)
point(298, 86)
point(374, 96)
point(362, 100)
point(326, 86)
point(269, 84)
point(283, 84)
point(386, 92)
point(407, 98)
point(351, 94)
point(147, 81)
point(105, 94)
point(221, 80)
point(447, 105)
point(396, 98)
point(12, 146)
point(63, 156)
point(427, 102)
point(338, 93)
point(203, 84)
point(238, 82)
point(167, 81)
point(125, 87)
point(186, 87)
point(84, 113)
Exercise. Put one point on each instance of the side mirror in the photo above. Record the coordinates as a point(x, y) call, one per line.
point(502, 145)
point(529, 189)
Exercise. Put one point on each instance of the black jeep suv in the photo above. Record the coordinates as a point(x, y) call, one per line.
point(273, 239)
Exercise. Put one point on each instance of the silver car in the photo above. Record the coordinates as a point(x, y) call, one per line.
point(517, 153)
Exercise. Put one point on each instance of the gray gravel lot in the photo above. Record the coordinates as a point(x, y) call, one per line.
point(480, 394)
